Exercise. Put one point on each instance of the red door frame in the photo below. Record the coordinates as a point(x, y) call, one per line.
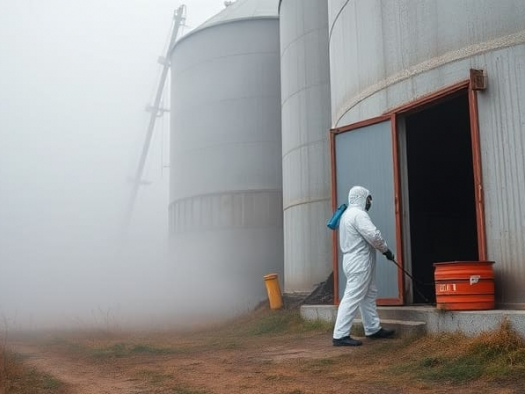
point(466, 86)
point(397, 205)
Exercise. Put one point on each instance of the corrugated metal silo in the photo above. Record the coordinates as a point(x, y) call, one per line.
point(385, 54)
point(226, 182)
point(305, 98)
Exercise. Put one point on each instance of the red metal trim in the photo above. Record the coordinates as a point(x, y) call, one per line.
point(431, 98)
point(398, 217)
point(363, 123)
point(478, 180)
point(335, 250)
point(334, 207)
point(391, 115)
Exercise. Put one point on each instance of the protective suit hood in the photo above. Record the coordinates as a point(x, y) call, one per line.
point(357, 197)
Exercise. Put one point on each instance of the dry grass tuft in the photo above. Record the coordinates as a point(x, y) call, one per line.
point(495, 355)
point(16, 377)
point(500, 342)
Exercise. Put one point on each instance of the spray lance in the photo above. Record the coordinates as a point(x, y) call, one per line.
point(390, 256)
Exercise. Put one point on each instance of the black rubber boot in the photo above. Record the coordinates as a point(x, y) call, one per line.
point(382, 333)
point(346, 341)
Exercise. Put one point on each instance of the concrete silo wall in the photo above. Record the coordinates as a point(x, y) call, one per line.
point(387, 53)
point(305, 97)
point(226, 182)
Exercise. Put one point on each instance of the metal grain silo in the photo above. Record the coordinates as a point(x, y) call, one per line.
point(305, 101)
point(398, 69)
point(226, 183)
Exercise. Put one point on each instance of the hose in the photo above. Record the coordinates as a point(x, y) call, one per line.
point(416, 282)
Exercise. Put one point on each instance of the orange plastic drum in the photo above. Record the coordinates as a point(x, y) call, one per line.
point(464, 285)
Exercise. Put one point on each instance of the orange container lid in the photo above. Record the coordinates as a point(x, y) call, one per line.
point(463, 262)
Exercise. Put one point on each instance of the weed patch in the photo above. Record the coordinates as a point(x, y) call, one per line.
point(319, 366)
point(323, 362)
point(222, 344)
point(496, 355)
point(153, 377)
point(188, 390)
point(318, 325)
point(15, 377)
point(282, 322)
point(275, 323)
point(50, 383)
point(120, 350)
point(276, 378)
point(147, 349)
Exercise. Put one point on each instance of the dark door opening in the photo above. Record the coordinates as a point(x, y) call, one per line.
point(441, 189)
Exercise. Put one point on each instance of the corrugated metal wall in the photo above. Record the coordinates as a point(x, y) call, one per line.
point(305, 96)
point(502, 132)
point(385, 48)
point(386, 53)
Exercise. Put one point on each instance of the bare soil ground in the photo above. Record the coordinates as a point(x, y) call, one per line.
point(251, 359)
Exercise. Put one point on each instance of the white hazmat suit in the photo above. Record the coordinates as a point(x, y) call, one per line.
point(358, 239)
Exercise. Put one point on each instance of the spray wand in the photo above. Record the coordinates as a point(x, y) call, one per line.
point(417, 281)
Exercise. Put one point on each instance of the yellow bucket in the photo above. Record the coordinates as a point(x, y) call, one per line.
point(274, 291)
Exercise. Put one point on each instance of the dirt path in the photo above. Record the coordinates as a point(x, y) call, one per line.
point(259, 367)
point(276, 365)
point(80, 376)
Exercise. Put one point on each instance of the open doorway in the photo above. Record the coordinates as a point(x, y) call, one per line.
point(441, 194)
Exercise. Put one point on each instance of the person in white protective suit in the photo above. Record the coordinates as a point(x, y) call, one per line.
point(358, 239)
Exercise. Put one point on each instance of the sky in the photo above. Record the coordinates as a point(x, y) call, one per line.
point(75, 78)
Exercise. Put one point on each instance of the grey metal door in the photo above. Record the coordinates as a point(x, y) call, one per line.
point(363, 156)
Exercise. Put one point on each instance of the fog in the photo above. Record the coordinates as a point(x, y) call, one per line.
point(75, 77)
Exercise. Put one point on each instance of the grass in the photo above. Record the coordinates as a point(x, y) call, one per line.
point(276, 378)
point(273, 324)
point(165, 383)
point(50, 383)
point(319, 366)
point(119, 350)
point(148, 349)
point(279, 322)
point(153, 377)
point(498, 355)
point(188, 390)
point(226, 336)
point(16, 377)
point(106, 349)
point(495, 358)
point(323, 362)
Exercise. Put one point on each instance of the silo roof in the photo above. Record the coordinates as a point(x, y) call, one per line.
point(237, 11)
point(243, 9)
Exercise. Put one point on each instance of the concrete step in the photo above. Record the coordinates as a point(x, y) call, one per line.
point(414, 313)
point(437, 321)
point(398, 318)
